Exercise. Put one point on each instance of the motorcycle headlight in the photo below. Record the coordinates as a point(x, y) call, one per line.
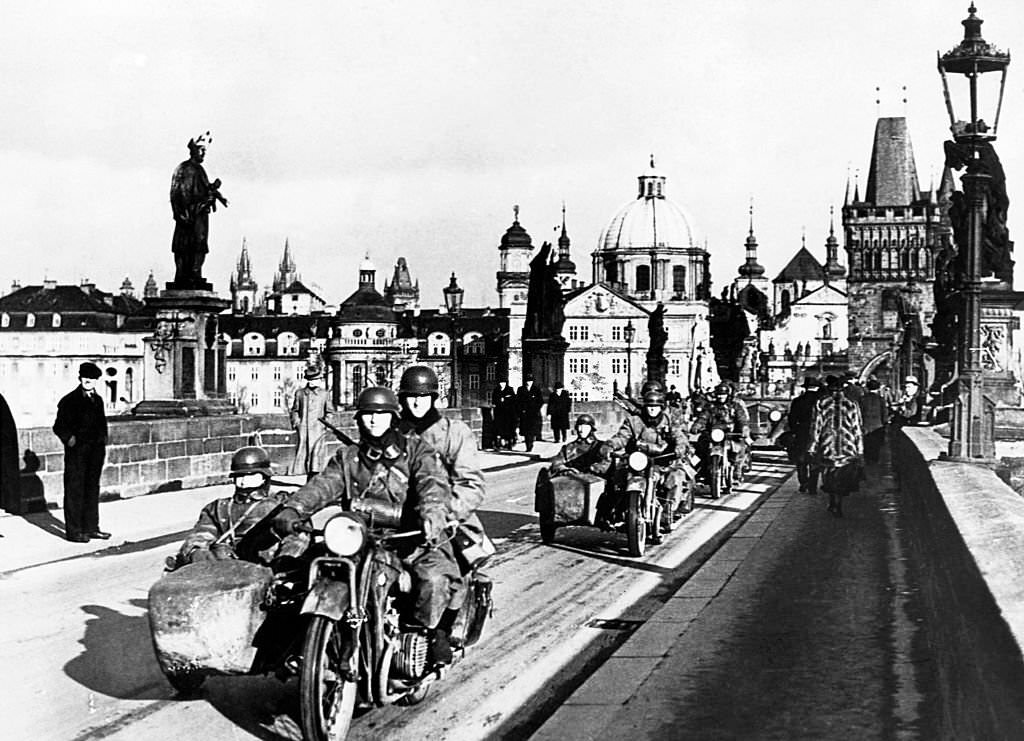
point(717, 434)
point(775, 415)
point(344, 535)
point(638, 461)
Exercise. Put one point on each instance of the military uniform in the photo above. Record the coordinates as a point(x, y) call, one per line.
point(656, 437)
point(404, 470)
point(588, 455)
point(221, 525)
point(730, 415)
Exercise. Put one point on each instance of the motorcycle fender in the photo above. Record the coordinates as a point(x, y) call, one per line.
point(328, 598)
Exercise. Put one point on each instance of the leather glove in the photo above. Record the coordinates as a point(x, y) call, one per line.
point(201, 554)
point(434, 524)
point(288, 522)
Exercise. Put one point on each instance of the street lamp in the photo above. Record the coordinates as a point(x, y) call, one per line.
point(970, 437)
point(630, 333)
point(453, 302)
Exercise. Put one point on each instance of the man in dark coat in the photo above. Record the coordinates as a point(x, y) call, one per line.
point(559, 409)
point(529, 402)
point(506, 415)
point(801, 417)
point(82, 426)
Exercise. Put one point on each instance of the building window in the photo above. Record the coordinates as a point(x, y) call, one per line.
point(30, 320)
point(474, 381)
point(254, 373)
point(579, 365)
point(253, 344)
point(438, 343)
point(473, 344)
point(579, 332)
point(254, 401)
point(231, 373)
point(381, 374)
point(277, 399)
point(491, 372)
point(616, 333)
point(5, 320)
point(643, 278)
point(679, 280)
point(277, 373)
point(288, 344)
point(55, 320)
point(618, 366)
point(673, 366)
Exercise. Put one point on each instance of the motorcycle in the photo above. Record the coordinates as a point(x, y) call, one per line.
point(637, 506)
point(720, 469)
point(356, 648)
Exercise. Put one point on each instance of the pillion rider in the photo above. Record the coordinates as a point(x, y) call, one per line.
point(656, 432)
point(721, 410)
point(455, 443)
point(397, 468)
point(223, 522)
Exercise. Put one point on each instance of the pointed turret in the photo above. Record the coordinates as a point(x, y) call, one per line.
point(286, 272)
point(150, 290)
point(243, 287)
point(751, 268)
point(400, 291)
point(833, 270)
point(892, 179)
point(565, 268)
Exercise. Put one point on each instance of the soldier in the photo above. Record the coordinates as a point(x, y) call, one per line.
point(223, 522)
point(722, 410)
point(586, 453)
point(401, 469)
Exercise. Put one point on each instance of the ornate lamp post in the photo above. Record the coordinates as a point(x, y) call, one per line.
point(453, 302)
point(630, 333)
point(971, 435)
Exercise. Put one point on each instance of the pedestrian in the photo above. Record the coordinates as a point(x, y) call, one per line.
point(673, 397)
point(81, 425)
point(311, 404)
point(800, 419)
point(874, 413)
point(907, 409)
point(503, 402)
point(837, 441)
point(559, 409)
point(528, 403)
point(10, 477)
point(852, 387)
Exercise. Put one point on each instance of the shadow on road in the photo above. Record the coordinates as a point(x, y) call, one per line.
point(504, 524)
point(118, 659)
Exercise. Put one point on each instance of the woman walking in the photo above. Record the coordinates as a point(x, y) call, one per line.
point(837, 440)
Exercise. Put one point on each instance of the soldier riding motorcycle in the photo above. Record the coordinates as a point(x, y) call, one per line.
point(383, 574)
point(723, 437)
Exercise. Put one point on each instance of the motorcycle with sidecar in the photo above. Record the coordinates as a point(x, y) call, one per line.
point(335, 618)
point(636, 503)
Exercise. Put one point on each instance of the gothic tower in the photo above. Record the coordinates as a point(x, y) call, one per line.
point(243, 287)
point(401, 293)
point(893, 236)
point(565, 268)
point(286, 272)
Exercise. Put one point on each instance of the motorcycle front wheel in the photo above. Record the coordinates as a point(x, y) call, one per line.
point(326, 698)
point(718, 485)
point(636, 525)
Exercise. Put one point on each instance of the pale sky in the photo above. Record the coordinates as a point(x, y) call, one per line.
point(412, 128)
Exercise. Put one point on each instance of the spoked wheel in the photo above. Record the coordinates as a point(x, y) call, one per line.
point(718, 485)
point(636, 525)
point(327, 698)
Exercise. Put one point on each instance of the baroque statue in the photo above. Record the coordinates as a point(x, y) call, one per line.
point(193, 197)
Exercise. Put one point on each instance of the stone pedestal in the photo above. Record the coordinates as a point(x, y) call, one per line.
point(545, 359)
point(998, 323)
point(184, 360)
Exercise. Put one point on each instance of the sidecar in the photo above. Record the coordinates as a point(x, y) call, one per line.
point(205, 617)
point(568, 498)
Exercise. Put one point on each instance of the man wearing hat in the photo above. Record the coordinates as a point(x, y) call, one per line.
point(310, 405)
point(801, 416)
point(529, 401)
point(907, 409)
point(81, 425)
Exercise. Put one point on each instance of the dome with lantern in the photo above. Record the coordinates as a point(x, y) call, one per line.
point(651, 221)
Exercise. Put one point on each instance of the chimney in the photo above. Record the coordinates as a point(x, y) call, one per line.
point(15, 285)
point(87, 285)
point(49, 284)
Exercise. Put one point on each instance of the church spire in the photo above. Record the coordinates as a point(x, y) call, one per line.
point(833, 270)
point(751, 268)
point(286, 272)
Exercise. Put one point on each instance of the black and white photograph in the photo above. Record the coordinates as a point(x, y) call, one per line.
point(469, 370)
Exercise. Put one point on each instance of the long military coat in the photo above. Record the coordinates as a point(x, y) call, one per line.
point(311, 449)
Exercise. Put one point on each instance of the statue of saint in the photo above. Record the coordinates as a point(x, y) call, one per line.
point(193, 197)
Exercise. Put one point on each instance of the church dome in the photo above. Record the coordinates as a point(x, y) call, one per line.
point(652, 221)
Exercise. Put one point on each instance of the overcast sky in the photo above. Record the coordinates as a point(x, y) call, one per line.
point(412, 128)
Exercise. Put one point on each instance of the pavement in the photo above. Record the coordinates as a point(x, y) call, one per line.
point(800, 626)
point(148, 520)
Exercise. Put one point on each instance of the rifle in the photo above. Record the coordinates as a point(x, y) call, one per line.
point(338, 433)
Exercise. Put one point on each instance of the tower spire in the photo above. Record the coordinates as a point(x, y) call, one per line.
point(833, 270)
point(751, 268)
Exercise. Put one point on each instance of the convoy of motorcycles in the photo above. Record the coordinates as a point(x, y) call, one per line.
point(333, 618)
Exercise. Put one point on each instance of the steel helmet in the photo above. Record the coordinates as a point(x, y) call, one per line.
point(418, 380)
point(652, 385)
point(722, 389)
point(250, 459)
point(654, 396)
point(585, 419)
point(378, 399)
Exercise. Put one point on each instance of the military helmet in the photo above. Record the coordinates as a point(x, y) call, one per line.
point(378, 399)
point(652, 385)
point(722, 389)
point(654, 396)
point(418, 380)
point(585, 419)
point(250, 459)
